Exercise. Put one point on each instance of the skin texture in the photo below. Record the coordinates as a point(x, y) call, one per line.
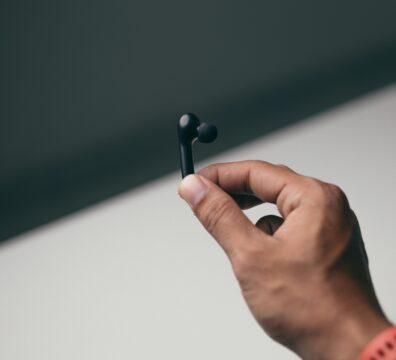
point(304, 276)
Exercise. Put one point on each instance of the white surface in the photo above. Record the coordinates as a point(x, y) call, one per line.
point(137, 277)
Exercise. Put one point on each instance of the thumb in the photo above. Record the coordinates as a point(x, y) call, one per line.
point(218, 213)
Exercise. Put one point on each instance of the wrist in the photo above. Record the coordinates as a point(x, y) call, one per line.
point(358, 333)
point(382, 346)
point(344, 339)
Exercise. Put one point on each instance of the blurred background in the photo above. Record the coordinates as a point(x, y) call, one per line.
point(99, 258)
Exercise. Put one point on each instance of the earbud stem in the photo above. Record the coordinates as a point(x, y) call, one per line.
point(186, 160)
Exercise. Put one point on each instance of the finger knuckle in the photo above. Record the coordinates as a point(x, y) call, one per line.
point(323, 194)
point(314, 190)
point(253, 164)
point(285, 167)
point(336, 199)
point(312, 183)
point(341, 202)
point(210, 171)
point(211, 167)
point(338, 193)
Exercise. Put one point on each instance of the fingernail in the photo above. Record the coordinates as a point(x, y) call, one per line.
point(192, 189)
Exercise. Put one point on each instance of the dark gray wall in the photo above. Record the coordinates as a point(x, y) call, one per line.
point(91, 90)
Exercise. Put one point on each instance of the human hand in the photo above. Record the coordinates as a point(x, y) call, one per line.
point(304, 276)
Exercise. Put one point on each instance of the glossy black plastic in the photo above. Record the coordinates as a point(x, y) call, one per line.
point(189, 128)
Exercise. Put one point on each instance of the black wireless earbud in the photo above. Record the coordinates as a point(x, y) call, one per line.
point(189, 128)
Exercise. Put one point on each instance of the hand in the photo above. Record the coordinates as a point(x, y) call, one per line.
point(304, 276)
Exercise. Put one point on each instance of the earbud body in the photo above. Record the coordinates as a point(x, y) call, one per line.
point(189, 129)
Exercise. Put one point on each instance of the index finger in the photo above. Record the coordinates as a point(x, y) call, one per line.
point(259, 178)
